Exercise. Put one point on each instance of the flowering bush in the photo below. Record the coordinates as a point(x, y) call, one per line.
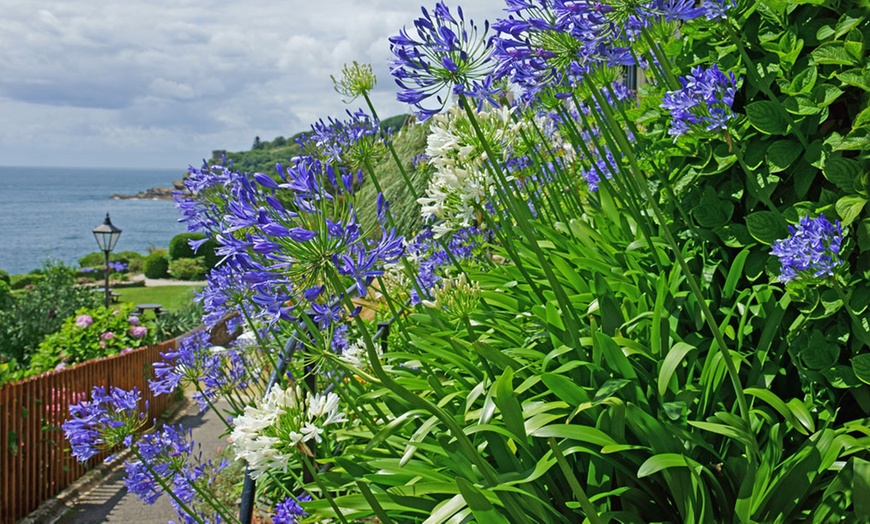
point(92, 333)
point(650, 327)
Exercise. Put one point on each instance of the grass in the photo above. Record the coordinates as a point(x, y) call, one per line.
point(170, 297)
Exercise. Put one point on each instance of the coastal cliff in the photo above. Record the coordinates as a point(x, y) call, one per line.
point(155, 193)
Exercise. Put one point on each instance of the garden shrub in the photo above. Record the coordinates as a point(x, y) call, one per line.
point(25, 280)
point(179, 245)
point(4, 276)
point(156, 265)
point(37, 312)
point(91, 333)
point(187, 268)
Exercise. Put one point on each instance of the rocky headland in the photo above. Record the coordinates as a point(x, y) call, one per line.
point(155, 193)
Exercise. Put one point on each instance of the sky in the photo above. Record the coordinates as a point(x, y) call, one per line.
point(162, 83)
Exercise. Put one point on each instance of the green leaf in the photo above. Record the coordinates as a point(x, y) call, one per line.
point(832, 53)
point(509, 405)
point(576, 432)
point(609, 388)
point(766, 226)
point(856, 77)
point(801, 105)
point(849, 208)
point(863, 119)
point(781, 154)
point(566, 389)
point(765, 116)
point(734, 274)
point(825, 94)
point(842, 172)
point(777, 403)
point(672, 361)
point(803, 82)
point(819, 353)
point(661, 461)
point(861, 367)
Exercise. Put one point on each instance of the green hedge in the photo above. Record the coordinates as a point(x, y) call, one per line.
point(156, 265)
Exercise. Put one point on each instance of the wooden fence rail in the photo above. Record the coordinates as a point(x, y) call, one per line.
point(35, 459)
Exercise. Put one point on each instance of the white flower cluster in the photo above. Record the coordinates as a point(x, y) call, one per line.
point(461, 179)
point(268, 434)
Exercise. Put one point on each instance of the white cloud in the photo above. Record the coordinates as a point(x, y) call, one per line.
point(163, 82)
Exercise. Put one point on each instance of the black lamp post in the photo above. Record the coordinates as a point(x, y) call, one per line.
point(107, 236)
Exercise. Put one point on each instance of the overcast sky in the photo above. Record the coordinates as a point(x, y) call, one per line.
point(161, 83)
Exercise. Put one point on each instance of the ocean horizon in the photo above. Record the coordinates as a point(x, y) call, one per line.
point(48, 213)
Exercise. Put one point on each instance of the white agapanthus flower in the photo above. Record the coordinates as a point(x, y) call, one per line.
point(268, 434)
point(461, 183)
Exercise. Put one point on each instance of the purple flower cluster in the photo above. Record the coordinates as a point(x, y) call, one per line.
point(118, 266)
point(432, 259)
point(287, 511)
point(445, 52)
point(345, 141)
point(171, 457)
point(812, 248)
point(188, 363)
point(109, 419)
point(704, 100)
point(555, 44)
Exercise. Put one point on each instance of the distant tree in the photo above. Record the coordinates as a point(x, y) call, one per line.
point(257, 144)
point(279, 142)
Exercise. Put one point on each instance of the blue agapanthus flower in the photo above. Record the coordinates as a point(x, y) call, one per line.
point(288, 511)
point(445, 51)
point(705, 100)
point(111, 418)
point(186, 365)
point(813, 248)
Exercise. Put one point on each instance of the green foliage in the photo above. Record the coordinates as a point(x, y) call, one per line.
point(26, 280)
point(98, 259)
point(35, 313)
point(89, 334)
point(170, 297)
point(179, 245)
point(156, 265)
point(187, 268)
point(4, 276)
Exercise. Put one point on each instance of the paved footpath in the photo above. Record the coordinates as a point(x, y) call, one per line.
point(110, 502)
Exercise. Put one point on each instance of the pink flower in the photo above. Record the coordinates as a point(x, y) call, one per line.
point(60, 366)
point(133, 320)
point(126, 350)
point(138, 331)
point(84, 321)
point(108, 335)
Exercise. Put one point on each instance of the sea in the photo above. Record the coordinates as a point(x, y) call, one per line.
point(48, 213)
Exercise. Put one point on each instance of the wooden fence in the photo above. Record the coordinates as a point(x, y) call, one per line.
point(35, 460)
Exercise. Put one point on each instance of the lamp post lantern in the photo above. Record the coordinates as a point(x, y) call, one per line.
point(107, 236)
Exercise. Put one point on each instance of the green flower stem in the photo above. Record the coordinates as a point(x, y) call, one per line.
point(742, 403)
point(323, 491)
point(662, 60)
point(469, 450)
point(392, 150)
point(166, 487)
point(525, 227)
point(579, 493)
point(752, 73)
point(258, 336)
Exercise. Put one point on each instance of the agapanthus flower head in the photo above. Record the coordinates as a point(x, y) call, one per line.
point(185, 365)
point(355, 142)
point(811, 250)
point(288, 511)
point(356, 80)
point(717, 9)
point(117, 266)
point(445, 52)
point(463, 183)
point(281, 424)
point(457, 296)
point(704, 101)
point(172, 458)
point(111, 418)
